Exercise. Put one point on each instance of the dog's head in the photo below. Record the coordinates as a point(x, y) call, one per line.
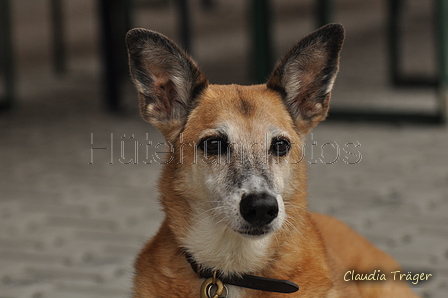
point(237, 148)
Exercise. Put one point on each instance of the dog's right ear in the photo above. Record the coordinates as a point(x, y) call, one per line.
point(305, 76)
point(168, 81)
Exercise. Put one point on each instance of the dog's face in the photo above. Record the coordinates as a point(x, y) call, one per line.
point(236, 170)
point(244, 153)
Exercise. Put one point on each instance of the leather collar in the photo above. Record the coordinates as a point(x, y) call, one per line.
point(246, 281)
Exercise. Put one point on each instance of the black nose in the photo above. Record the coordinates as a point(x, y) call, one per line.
point(259, 208)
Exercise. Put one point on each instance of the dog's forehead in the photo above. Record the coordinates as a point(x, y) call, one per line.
point(253, 109)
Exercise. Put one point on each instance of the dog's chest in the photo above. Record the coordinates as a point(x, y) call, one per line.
point(235, 292)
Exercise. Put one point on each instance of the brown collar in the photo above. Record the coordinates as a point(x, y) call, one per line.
point(246, 281)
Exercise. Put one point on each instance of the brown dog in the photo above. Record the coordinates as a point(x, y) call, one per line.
point(234, 194)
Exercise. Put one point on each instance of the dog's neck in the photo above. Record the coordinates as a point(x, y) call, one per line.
point(216, 247)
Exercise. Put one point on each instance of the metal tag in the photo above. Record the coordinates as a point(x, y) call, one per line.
point(207, 285)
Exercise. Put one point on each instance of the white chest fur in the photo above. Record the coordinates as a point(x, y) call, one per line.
point(215, 246)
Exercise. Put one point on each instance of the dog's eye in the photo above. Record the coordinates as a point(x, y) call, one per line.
point(280, 147)
point(214, 145)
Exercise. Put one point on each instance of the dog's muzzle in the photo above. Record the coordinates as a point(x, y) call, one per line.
point(258, 210)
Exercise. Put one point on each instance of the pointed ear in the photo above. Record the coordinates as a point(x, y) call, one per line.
point(167, 80)
point(305, 76)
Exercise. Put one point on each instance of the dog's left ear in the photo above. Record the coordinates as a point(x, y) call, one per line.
point(305, 76)
point(167, 79)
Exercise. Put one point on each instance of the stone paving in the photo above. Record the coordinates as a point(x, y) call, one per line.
point(73, 217)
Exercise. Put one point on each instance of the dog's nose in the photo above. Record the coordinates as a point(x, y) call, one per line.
point(259, 208)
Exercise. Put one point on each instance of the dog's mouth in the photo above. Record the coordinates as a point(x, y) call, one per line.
point(254, 231)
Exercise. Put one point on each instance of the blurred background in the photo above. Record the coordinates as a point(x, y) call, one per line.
point(79, 166)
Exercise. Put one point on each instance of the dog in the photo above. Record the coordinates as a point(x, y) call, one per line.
point(236, 219)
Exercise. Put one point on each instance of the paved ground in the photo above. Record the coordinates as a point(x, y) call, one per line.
point(71, 225)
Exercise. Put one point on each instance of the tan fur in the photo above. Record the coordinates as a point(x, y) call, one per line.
point(315, 253)
point(312, 250)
